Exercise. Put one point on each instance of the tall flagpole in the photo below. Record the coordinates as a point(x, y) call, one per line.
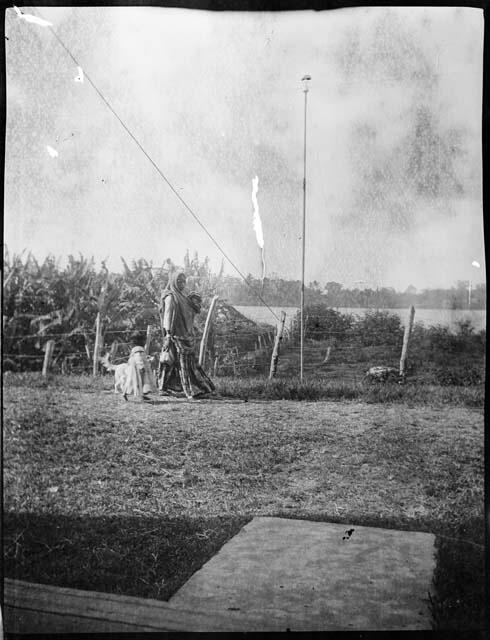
point(305, 91)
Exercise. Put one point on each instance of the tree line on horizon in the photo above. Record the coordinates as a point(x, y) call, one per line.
point(281, 292)
point(146, 281)
point(42, 300)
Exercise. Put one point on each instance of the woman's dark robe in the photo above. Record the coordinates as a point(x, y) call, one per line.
point(179, 368)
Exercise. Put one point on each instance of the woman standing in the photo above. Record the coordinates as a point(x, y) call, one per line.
point(179, 368)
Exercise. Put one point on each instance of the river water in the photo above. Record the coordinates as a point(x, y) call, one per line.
point(427, 317)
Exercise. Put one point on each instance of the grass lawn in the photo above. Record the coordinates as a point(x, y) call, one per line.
point(133, 498)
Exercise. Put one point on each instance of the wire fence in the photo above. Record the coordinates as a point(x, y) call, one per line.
point(333, 349)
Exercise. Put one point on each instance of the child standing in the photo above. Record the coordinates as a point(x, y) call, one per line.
point(140, 380)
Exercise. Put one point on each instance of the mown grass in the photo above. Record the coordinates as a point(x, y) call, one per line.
point(321, 388)
point(259, 387)
point(133, 498)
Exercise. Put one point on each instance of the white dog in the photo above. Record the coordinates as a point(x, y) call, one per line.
point(120, 373)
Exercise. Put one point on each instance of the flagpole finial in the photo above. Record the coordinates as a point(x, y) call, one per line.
point(305, 80)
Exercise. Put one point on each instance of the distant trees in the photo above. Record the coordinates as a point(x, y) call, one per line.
point(333, 292)
point(479, 297)
point(41, 299)
point(273, 291)
point(286, 293)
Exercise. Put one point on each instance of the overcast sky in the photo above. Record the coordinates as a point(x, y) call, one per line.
point(393, 144)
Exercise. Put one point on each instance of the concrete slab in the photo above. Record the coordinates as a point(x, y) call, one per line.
point(279, 574)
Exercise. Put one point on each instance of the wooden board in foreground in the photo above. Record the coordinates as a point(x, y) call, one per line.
point(39, 608)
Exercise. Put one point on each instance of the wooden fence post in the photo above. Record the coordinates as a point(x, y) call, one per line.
point(327, 354)
point(207, 326)
point(112, 352)
point(98, 341)
point(275, 353)
point(210, 347)
point(406, 337)
point(48, 354)
point(148, 339)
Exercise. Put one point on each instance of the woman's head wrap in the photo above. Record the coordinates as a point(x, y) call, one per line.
point(186, 306)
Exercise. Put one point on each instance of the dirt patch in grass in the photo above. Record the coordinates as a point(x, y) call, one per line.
point(133, 498)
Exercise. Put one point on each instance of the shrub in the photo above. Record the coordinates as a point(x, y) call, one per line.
point(323, 323)
point(464, 376)
point(465, 328)
point(439, 346)
point(378, 328)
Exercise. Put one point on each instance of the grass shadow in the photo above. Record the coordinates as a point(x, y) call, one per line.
point(152, 557)
point(148, 557)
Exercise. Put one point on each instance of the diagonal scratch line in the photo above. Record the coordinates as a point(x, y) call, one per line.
point(157, 168)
